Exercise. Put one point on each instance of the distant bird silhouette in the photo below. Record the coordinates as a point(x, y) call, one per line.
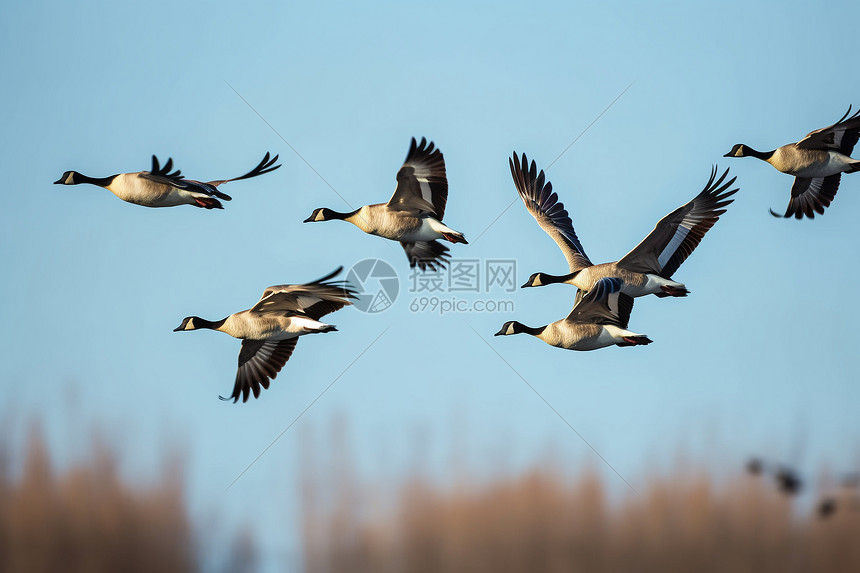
point(787, 480)
point(826, 507)
point(413, 215)
point(755, 466)
point(649, 267)
point(161, 188)
point(847, 496)
point(270, 329)
point(817, 161)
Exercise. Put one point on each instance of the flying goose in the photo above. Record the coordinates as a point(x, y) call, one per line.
point(270, 329)
point(817, 162)
point(161, 188)
point(413, 215)
point(648, 268)
point(598, 320)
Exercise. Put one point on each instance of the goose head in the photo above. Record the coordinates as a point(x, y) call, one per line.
point(196, 323)
point(324, 214)
point(740, 150)
point(68, 178)
point(512, 327)
point(536, 280)
point(189, 323)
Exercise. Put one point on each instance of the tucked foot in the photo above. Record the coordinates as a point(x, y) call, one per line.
point(673, 291)
point(639, 340)
point(455, 238)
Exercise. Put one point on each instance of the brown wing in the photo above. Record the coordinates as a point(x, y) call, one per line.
point(548, 211)
point(426, 254)
point(842, 136)
point(680, 232)
point(265, 166)
point(422, 184)
point(314, 299)
point(259, 361)
point(604, 304)
point(810, 196)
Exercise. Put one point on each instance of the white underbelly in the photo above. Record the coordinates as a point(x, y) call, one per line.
point(607, 337)
point(430, 230)
point(836, 163)
point(652, 285)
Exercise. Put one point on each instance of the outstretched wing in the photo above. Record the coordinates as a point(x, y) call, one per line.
point(604, 304)
point(548, 211)
point(422, 184)
point(810, 196)
point(162, 176)
point(265, 166)
point(680, 232)
point(314, 299)
point(426, 254)
point(842, 136)
point(165, 171)
point(259, 361)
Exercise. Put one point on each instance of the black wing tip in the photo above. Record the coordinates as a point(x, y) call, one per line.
point(234, 398)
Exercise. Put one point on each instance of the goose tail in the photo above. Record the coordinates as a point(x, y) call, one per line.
point(635, 340)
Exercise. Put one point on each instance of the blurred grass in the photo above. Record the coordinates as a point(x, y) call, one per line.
point(544, 522)
point(87, 518)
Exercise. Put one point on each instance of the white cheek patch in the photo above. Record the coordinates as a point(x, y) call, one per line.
point(70, 180)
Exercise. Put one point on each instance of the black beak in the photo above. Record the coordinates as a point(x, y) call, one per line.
point(729, 154)
point(501, 332)
point(58, 181)
point(309, 219)
point(528, 284)
point(178, 328)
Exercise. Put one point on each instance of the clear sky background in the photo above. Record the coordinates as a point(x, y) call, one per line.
point(760, 358)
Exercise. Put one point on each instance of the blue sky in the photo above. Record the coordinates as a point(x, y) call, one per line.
point(760, 354)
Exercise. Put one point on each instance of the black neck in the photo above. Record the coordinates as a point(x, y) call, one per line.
point(343, 216)
point(203, 323)
point(533, 331)
point(763, 155)
point(100, 181)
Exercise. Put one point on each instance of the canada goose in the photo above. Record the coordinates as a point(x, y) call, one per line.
point(270, 329)
point(413, 215)
point(598, 320)
point(817, 162)
point(648, 268)
point(160, 188)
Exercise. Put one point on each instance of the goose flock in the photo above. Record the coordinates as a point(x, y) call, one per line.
point(846, 494)
point(414, 214)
